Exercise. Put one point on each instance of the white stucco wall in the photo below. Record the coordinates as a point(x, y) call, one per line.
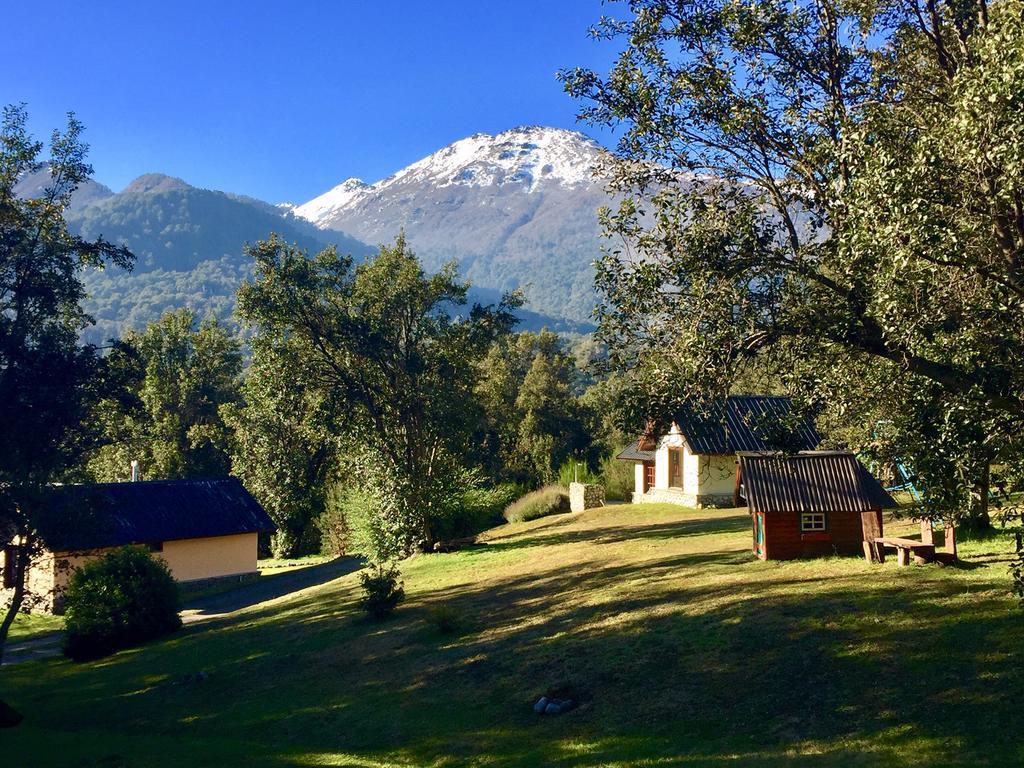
point(703, 475)
point(672, 440)
point(638, 477)
point(717, 475)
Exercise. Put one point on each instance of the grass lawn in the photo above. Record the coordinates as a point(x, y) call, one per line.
point(684, 650)
point(28, 625)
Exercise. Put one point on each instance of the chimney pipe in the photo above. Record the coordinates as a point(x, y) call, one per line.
point(135, 471)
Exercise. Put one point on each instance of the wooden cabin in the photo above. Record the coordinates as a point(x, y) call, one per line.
point(810, 504)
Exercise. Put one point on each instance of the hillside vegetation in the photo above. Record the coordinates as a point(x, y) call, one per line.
point(682, 649)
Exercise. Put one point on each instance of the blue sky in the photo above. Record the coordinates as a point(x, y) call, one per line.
point(283, 100)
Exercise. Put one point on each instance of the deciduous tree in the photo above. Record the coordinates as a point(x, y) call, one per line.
point(48, 380)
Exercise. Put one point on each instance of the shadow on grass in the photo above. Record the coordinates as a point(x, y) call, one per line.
point(542, 535)
point(271, 587)
point(705, 658)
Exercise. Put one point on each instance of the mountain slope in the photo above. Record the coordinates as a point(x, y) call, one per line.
point(188, 245)
point(517, 209)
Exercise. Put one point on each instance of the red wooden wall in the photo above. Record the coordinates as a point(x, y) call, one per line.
point(784, 540)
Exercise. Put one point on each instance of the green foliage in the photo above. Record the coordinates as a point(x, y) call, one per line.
point(284, 447)
point(618, 478)
point(445, 619)
point(575, 471)
point(533, 420)
point(855, 238)
point(376, 341)
point(549, 500)
point(48, 380)
point(382, 590)
point(177, 376)
point(122, 599)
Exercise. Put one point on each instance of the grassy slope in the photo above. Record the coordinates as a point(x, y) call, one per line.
point(27, 626)
point(685, 650)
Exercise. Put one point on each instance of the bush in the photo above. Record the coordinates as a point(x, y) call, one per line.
point(444, 619)
point(382, 591)
point(549, 500)
point(122, 599)
point(618, 478)
point(574, 471)
point(481, 508)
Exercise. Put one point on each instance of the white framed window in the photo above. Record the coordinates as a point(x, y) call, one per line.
point(812, 522)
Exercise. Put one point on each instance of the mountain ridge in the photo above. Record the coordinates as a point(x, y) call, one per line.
point(516, 209)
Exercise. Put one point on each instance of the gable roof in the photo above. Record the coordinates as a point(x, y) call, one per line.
point(812, 481)
point(115, 514)
point(633, 452)
point(741, 423)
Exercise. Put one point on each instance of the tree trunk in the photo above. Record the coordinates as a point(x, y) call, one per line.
point(979, 499)
point(17, 598)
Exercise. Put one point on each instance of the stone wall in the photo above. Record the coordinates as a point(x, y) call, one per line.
point(682, 498)
point(585, 496)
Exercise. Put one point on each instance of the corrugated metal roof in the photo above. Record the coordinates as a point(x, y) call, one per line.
point(743, 423)
point(813, 481)
point(632, 452)
point(115, 514)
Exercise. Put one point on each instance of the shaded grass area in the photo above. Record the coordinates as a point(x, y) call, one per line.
point(682, 649)
point(30, 625)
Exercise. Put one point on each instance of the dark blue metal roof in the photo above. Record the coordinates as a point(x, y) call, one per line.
point(115, 514)
point(746, 423)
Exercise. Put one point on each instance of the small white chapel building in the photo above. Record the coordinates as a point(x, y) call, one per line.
point(694, 463)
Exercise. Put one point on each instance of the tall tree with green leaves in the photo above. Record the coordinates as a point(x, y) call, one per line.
point(48, 380)
point(284, 441)
point(534, 423)
point(394, 349)
point(822, 189)
point(179, 373)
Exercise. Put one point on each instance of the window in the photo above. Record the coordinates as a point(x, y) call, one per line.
point(156, 546)
point(812, 522)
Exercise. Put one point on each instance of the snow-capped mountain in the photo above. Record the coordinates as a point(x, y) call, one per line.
point(517, 209)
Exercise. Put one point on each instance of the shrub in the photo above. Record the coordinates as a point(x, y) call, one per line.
point(549, 500)
point(122, 599)
point(618, 478)
point(482, 507)
point(445, 619)
point(382, 590)
point(574, 471)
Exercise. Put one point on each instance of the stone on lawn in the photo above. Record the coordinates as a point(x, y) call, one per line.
point(552, 709)
point(542, 702)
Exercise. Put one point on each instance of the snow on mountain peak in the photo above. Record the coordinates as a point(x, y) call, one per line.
point(528, 156)
point(336, 199)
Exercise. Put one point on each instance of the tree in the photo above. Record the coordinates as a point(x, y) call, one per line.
point(826, 189)
point(48, 381)
point(533, 420)
point(380, 340)
point(284, 441)
point(179, 374)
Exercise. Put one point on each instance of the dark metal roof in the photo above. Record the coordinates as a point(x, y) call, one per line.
point(744, 423)
point(813, 481)
point(632, 452)
point(115, 514)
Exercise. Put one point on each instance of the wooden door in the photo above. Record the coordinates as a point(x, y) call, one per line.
point(759, 534)
point(648, 475)
point(675, 467)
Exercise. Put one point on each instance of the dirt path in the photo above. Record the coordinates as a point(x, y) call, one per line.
point(204, 608)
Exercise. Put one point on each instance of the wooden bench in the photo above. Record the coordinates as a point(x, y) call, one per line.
point(922, 552)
